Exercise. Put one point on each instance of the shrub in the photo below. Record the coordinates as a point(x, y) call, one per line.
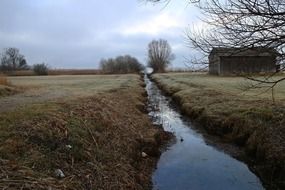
point(41, 69)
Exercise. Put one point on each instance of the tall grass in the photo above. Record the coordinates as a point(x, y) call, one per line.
point(3, 80)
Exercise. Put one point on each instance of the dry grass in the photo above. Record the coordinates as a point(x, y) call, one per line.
point(74, 85)
point(39, 89)
point(227, 85)
point(22, 73)
point(58, 72)
point(4, 80)
point(74, 72)
point(6, 89)
point(96, 141)
point(247, 118)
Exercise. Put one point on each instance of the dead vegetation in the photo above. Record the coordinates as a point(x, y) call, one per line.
point(6, 88)
point(250, 122)
point(37, 89)
point(58, 72)
point(3, 80)
point(97, 143)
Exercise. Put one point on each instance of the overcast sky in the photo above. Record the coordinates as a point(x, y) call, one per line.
point(78, 33)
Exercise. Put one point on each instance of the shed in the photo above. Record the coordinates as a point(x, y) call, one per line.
point(228, 61)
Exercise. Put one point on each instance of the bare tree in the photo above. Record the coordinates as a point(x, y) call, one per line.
point(241, 24)
point(121, 64)
point(40, 69)
point(159, 55)
point(12, 60)
point(244, 24)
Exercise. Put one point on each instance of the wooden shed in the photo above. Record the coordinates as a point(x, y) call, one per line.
point(229, 61)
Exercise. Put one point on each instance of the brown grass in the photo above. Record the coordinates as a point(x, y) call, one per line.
point(252, 122)
point(58, 72)
point(22, 73)
point(3, 80)
point(6, 87)
point(74, 72)
point(107, 134)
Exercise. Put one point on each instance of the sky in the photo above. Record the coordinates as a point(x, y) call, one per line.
point(77, 34)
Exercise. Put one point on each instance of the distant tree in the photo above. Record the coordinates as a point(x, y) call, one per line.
point(12, 60)
point(159, 55)
point(121, 64)
point(241, 24)
point(40, 69)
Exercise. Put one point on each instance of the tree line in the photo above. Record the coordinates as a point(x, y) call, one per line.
point(12, 60)
point(121, 65)
point(159, 57)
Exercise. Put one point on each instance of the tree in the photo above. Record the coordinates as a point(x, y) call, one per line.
point(159, 55)
point(241, 24)
point(40, 69)
point(12, 60)
point(121, 64)
point(244, 24)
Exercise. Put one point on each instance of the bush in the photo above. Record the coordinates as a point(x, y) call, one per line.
point(40, 69)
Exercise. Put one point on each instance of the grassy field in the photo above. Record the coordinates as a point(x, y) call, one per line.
point(78, 85)
point(5, 87)
point(3, 80)
point(248, 118)
point(57, 72)
point(92, 128)
point(37, 89)
point(238, 86)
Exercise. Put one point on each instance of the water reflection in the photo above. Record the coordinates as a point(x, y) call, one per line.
point(191, 163)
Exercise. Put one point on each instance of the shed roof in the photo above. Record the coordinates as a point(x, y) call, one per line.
point(255, 51)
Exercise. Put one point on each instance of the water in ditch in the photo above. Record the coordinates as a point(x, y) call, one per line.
point(190, 163)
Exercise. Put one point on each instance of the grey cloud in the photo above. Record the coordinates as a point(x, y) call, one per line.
point(77, 34)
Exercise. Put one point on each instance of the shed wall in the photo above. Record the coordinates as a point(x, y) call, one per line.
point(214, 64)
point(246, 64)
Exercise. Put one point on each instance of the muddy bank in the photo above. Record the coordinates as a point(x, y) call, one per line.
point(257, 127)
point(100, 142)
